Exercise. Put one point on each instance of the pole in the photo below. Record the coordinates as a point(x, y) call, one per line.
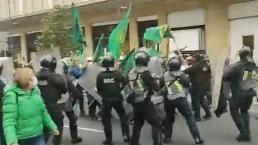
point(178, 50)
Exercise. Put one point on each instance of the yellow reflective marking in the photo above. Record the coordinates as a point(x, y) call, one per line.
point(245, 76)
point(140, 86)
point(178, 86)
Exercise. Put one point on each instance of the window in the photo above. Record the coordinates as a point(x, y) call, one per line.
point(142, 26)
point(14, 43)
point(14, 48)
point(248, 41)
point(106, 30)
point(30, 39)
point(188, 39)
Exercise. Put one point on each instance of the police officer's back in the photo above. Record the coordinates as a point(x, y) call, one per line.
point(142, 85)
point(176, 88)
point(110, 83)
point(242, 77)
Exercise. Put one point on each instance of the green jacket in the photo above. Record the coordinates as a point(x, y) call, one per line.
point(24, 114)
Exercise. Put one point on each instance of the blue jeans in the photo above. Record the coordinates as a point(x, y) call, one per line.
point(38, 140)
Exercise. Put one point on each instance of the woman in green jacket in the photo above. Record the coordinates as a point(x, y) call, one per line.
point(24, 112)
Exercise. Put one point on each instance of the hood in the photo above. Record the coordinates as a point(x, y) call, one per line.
point(14, 88)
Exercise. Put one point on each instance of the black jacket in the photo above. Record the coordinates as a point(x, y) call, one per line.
point(74, 92)
point(52, 86)
point(234, 75)
point(110, 84)
point(200, 78)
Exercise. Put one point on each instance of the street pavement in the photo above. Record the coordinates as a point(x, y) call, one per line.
point(217, 131)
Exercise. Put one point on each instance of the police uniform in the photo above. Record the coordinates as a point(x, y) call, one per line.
point(52, 86)
point(110, 83)
point(242, 76)
point(142, 86)
point(176, 84)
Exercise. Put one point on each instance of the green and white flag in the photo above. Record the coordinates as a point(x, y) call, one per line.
point(156, 34)
point(99, 51)
point(117, 37)
point(127, 63)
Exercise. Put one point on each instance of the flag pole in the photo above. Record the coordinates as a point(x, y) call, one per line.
point(178, 50)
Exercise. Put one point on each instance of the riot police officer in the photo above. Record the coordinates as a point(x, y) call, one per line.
point(142, 85)
point(110, 83)
point(176, 84)
point(52, 86)
point(242, 77)
point(200, 79)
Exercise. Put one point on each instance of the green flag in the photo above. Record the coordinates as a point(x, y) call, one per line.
point(127, 63)
point(99, 51)
point(117, 37)
point(156, 34)
point(77, 33)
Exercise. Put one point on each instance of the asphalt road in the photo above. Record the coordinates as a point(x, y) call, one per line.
point(218, 131)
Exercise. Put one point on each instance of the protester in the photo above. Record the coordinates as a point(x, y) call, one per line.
point(24, 112)
point(68, 108)
point(200, 79)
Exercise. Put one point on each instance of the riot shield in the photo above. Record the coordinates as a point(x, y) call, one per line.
point(156, 66)
point(88, 81)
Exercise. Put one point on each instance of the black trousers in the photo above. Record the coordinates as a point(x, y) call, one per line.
point(93, 104)
point(2, 138)
point(79, 99)
point(72, 124)
point(146, 111)
point(239, 107)
point(198, 100)
point(58, 119)
point(106, 117)
point(184, 108)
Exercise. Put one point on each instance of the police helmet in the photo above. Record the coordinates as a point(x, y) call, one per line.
point(48, 62)
point(108, 61)
point(174, 63)
point(245, 53)
point(141, 58)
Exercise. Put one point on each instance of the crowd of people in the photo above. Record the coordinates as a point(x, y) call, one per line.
point(34, 105)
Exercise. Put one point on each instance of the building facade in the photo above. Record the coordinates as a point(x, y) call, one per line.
point(220, 27)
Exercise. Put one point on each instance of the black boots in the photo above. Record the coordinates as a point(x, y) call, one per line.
point(199, 141)
point(107, 142)
point(167, 140)
point(243, 138)
point(76, 140)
